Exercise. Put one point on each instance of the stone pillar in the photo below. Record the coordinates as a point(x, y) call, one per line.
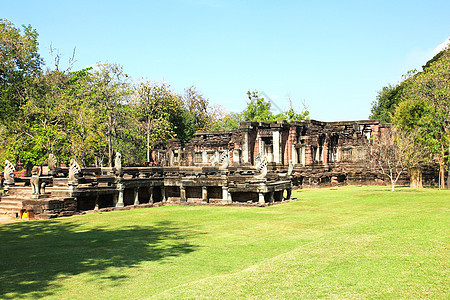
point(236, 157)
point(225, 194)
point(182, 193)
point(261, 198)
point(204, 157)
point(121, 188)
point(261, 145)
point(288, 194)
point(163, 194)
point(136, 196)
point(245, 149)
point(150, 194)
point(303, 155)
point(271, 199)
point(204, 194)
point(277, 155)
point(294, 155)
point(96, 202)
point(171, 158)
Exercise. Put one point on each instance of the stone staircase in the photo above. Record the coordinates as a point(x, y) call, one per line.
point(10, 206)
point(54, 202)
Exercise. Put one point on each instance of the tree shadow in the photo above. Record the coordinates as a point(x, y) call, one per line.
point(35, 254)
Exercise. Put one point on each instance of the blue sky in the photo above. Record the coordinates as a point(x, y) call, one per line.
point(334, 55)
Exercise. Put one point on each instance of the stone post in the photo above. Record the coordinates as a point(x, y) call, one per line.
point(163, 194)
point(271, 199)
point(294, 155)
point(121, 188)
point(277, 147)
point(236, 157)
point(96, 202)
point(150, 194)
point(288, 194)
point(183, 194)
point(261, 198)
point(225, 194)
point(204, 194)
point(245, 148)
point(136, 196)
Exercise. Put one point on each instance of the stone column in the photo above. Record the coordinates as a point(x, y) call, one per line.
point(261, 198)
point(150, 194)
point(225, 194)
point(96, 202)
point(288, 194)
point(163, 194)
point(277, 147)
point(136, 196)
point(121, 188)
point(261, 144)
point(182, 193)
point(236, 157)
point(245, 149)
point(204, 194)
point(294, 155)
point(271, 199)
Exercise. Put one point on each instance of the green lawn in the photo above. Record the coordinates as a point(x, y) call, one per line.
point(349, 242)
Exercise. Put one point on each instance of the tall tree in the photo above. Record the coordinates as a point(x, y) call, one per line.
point(426, 106)
point(384, 105)
point(198, 107)
point(112, 91)
point(158, 110)
point(20, 64)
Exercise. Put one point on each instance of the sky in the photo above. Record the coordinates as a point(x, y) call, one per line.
point(334, 56)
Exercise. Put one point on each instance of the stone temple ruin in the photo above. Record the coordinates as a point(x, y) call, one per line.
point(258, 164)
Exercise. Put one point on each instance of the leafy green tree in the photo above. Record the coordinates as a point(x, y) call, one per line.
point(20, 64)
point(258, 109)
point(229, 122)
point(158, 110)
point(387, 99)
point(112, 90)
point(426, 107)
point(198, 107)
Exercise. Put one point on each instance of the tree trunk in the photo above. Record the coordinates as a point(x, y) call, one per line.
point(415, 175)
point(448, 169)
point(148, 141)
point(441, 175)
point(109, 142)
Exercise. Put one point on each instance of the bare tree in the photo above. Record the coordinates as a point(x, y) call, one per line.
point(394, 152)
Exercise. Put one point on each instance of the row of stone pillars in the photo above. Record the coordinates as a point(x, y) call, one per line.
point(226, 197)
point(121, 189)
point(262, 200)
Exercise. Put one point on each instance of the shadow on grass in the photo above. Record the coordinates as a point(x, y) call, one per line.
point(34, 255)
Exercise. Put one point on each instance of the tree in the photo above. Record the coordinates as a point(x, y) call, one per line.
point(198, 107)
point(258, 109)
point(394, 152)
point(157, 109)
point(229, 122)
point(112, 91)
point(20, 64)
point(426, 107)
point(384, 106)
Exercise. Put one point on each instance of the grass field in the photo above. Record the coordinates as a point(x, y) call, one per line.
point(349, 242)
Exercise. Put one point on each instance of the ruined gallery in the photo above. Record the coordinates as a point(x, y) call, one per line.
point(257, 164)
